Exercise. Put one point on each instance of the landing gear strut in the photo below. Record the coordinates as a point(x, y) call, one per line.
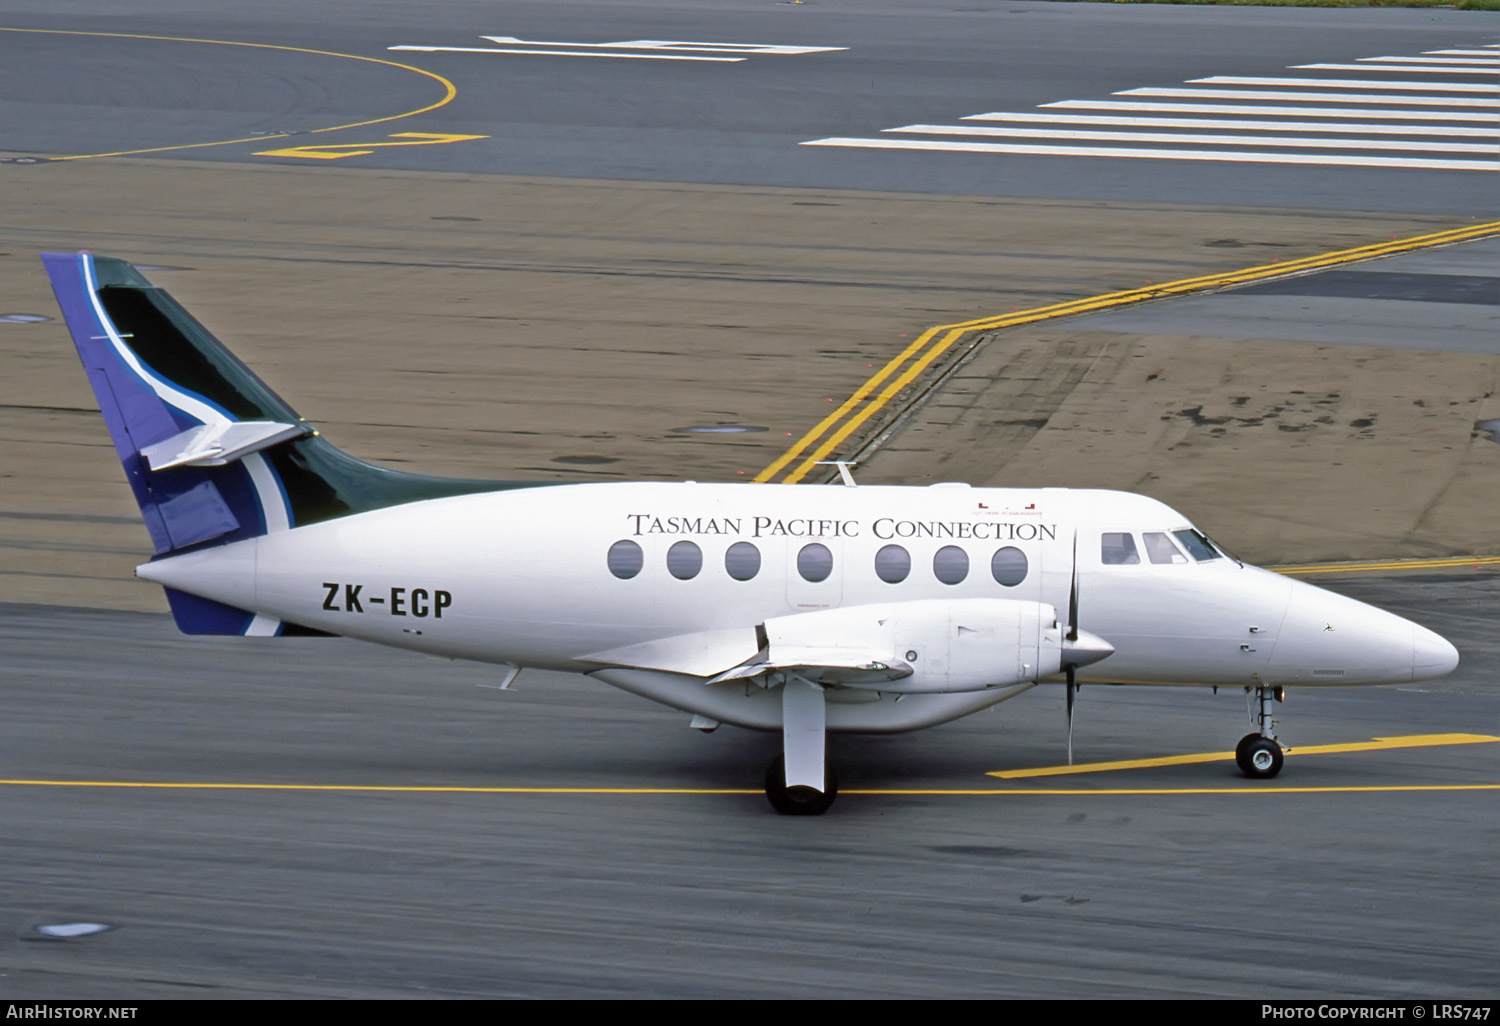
point(801, 783)
point(1259, 755)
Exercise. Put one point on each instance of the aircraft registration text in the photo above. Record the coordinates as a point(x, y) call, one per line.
point(420, 602)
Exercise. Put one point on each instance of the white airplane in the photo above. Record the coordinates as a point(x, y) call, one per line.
point(792, 608)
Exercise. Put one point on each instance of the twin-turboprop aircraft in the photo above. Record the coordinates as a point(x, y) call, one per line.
point(799, 609)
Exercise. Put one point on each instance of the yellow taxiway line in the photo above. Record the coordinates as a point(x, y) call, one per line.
point(903, 369)
point(167, 785)
point(1248, 787)
point(1382, 565)
point(449, 89)
point(1410, 741)
point(1379, 744)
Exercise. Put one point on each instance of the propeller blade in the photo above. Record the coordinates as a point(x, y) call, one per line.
point(1073, 594)
point(1072, 667)
point(1072, 688)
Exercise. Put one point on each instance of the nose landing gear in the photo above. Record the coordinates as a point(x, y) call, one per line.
point(1259, 755)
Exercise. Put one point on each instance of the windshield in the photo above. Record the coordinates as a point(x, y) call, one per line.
point(1197, 545)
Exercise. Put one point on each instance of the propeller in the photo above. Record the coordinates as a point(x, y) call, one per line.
point(1072, 690)
point(1079, 647)
point(1071, 667)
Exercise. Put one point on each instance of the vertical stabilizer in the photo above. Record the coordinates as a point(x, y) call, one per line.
point(212, 455)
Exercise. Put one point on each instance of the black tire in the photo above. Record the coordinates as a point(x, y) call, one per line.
point(799, 801)
point(1258, 758)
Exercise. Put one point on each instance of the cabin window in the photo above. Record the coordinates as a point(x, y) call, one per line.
point(1160, 548)
point(1009, 566)
point(1117, 548)
point(684, 560)
point(892, 564)
point(1199, 547)
point(742, 561)
point(815, 562)
point(950, 564)
point(625, 559)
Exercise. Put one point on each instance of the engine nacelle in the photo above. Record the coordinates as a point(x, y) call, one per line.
point(922, 647)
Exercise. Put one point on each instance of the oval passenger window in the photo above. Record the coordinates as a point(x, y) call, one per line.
point(950, 564)
point(892, 564)
point(742, 561)
point(625, 559)
point(815, 562)
point(684, 560)
point(1009, 566)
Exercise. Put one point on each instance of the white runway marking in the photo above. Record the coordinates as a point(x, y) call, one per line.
point(567, 53)
point(1301, 120)
point(1473, 62)
point(1243, 125)
point(1407, 100)
point(1406, 69)
point(1217, 140)
point(1231, 156)
point(1347, 83)
point(629, 49)
point(1301, 112)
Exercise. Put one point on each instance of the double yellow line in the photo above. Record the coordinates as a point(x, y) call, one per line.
point(1379, 566)
point(908, 365)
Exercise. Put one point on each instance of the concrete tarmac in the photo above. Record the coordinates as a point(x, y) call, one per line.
point(291, 881)
point(551, 304)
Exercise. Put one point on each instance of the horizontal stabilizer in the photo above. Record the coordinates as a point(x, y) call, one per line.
point(214, 445)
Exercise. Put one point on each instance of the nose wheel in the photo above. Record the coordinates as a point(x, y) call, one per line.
point(1259, 755)
point(1259, 758)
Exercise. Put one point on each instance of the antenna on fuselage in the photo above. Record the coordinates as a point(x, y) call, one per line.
point(843, 465)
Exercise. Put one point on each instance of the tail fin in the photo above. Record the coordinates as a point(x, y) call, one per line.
point(212, 455)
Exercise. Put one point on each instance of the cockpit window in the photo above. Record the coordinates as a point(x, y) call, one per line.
point(1117, 548)
point(1199, 547)
point(1160, 548)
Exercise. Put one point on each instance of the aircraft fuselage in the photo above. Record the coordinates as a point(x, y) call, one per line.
point(550, 577)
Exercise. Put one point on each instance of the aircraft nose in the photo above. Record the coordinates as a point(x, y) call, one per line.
point(1432, 654)
point(1330, 639)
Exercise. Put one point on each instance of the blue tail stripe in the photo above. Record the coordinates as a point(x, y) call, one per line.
point(136, 417)
point(181, 507)
point(195, 615)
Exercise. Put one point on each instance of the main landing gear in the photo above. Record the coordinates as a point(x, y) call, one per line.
point(801, 783)
point(799, 800)
point(1259, 755)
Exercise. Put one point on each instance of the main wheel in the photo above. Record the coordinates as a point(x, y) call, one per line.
point(799, 801)
point(1259, 758)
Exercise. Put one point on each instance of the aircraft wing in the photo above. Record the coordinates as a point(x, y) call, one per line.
point(918, 646)
point(702, 654)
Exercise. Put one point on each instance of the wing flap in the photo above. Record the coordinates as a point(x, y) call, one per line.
point(698, 655)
